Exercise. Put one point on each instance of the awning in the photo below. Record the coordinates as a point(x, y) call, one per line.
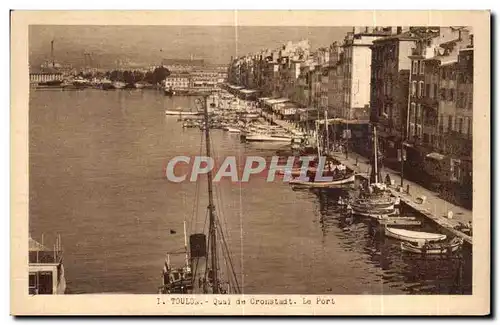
point(248, 91)
point(235, 87)
point(435, 156)
point(263, 98)
point(343, 121)
point(276, 101)
point(444, 63)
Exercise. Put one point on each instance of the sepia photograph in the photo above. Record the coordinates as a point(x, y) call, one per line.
point(245, 168)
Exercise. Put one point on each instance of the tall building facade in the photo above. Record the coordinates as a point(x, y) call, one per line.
point(440, 106)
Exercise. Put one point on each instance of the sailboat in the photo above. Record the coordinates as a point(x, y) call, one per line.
point(339, 174)
point(375, 201)
point(202, 272)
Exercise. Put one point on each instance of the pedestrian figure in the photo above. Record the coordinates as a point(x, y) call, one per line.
point(388, 179)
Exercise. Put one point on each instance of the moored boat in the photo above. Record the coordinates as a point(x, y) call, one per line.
point(231, 129)
point(433, 248)
point(399, 221)
point(119, 84)
point(413, 236)
point(181, 113)
point(375, 200)
point(324, 184)
point(261, 137)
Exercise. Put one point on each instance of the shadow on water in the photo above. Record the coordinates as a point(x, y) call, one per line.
point(410, 273)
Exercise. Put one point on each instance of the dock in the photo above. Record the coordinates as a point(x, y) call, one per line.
point(433, 208)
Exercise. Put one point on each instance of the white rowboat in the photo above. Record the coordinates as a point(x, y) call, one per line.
point(413, 236)
point(332, 184)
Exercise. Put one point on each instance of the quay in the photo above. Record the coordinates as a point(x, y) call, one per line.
point(433, 208)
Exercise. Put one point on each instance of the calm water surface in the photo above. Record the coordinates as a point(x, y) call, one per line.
point(96, 167)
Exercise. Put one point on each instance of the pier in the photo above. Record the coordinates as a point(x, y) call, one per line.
point(433, 208)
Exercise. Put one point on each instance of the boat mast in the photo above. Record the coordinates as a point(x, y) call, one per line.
point(317, 139)
point(211, 208)
point(185, 244)
point(327, 134)
point(375, 153)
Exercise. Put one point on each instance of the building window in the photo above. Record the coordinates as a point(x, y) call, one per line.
point(412, 111)
point(419, 114)
point(435, 93)
point(413, 88)
point(427, 90)
point(469, 127)
point(414, 67)
point(421, 89)
point(450, 123)
point(421, 67)
point(443, 73)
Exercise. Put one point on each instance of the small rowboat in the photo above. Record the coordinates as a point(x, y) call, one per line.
point(413, 236)
point(377, 215)
point(395, 221)
point(433, 248)
point(332, 184)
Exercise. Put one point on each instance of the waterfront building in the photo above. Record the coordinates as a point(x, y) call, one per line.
point(194, 75)
point(440, 107)
point(390, 73)
point(178, 81)
point(37, 77)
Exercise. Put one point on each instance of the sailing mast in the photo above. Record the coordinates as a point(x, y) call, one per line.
point(211, 207)
point(375, 163)
point(327, 134)
point(185, 244)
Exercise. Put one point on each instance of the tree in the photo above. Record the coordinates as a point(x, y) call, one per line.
point(159, 74)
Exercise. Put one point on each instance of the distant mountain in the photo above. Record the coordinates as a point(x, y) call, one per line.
point(136, 46)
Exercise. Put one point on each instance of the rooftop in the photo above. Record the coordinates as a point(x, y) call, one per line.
point(188, 62)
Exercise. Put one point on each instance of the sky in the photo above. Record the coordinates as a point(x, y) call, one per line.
point(148, 45)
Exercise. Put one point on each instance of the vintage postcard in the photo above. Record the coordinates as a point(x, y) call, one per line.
point(250, 163)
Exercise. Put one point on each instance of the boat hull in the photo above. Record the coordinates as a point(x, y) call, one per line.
point(448, 248)
point(332, 184)
point(262, 138)
point(395, 221)
point(413, 236)
point(181, 113)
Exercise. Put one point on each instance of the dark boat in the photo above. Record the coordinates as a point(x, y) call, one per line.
point(107, 86)
point(169, 91)
point(433, 248)
point(51, 83)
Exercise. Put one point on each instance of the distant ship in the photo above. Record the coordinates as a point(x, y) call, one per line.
point(119, 84)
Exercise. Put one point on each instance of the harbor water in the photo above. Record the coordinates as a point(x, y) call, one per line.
point(96, 178)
